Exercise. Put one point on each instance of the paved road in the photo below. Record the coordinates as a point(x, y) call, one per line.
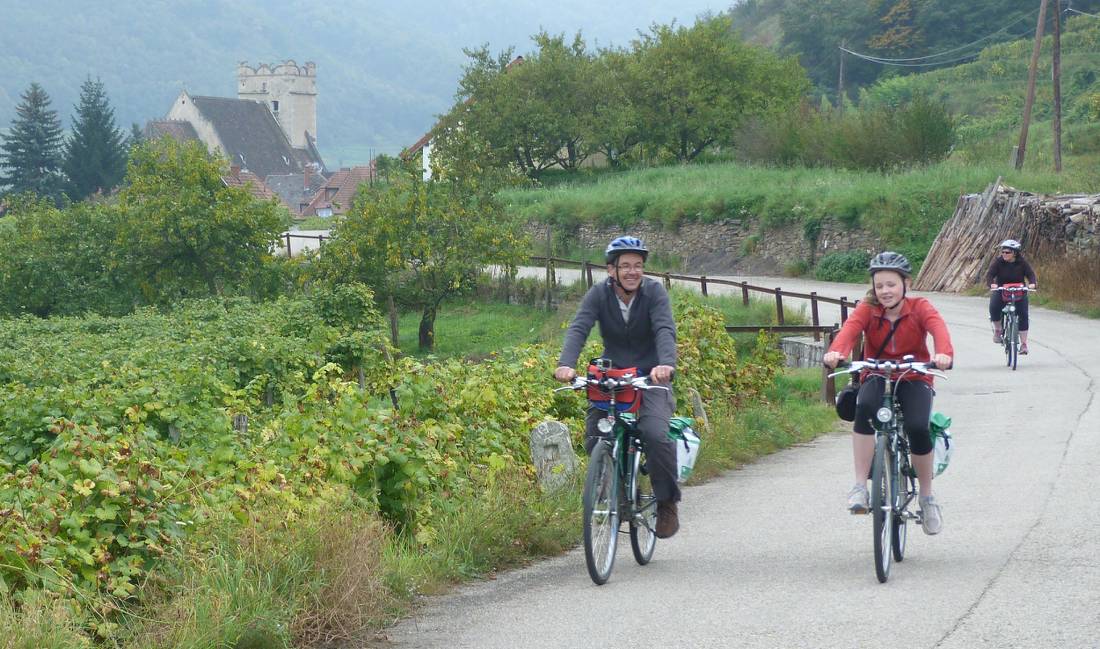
point(767, 556)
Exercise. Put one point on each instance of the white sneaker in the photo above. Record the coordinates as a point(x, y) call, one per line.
point(859, 499)
point(930, 518)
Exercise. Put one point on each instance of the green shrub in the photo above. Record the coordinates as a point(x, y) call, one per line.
point(843, 267)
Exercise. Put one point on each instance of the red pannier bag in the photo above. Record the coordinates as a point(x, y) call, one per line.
point(1012, 296)
point(626, 400)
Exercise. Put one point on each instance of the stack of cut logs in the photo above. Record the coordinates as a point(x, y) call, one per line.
point(968, 242)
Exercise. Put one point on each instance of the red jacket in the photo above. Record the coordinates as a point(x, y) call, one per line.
point(918, 319)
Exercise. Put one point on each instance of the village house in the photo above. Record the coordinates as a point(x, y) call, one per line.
point(268, 134)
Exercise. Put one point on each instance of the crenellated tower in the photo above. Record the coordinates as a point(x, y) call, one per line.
point(289, 90)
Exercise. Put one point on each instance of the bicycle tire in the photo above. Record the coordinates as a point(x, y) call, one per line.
point(882, 510)
point(601, 515)
point(900, 528)
point(643, 517)
point(1013, 340)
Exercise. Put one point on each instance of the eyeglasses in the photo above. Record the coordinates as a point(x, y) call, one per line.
point(628, 268)
point(1007, 250)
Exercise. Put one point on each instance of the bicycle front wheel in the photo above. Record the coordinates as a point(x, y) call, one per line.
point(643, 518)
point(1012, 342)
point(601, 515)
point(882, 508)
point(900, 530)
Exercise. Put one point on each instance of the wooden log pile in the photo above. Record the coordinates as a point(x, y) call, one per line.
point(1047, 226)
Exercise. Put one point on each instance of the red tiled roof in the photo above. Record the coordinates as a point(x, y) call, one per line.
point(338, 192)
point(250, 181)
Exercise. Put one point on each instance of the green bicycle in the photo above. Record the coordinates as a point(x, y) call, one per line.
point(893, 478)
point(617, 486)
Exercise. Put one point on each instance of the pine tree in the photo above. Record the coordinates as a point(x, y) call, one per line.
point(95, 154)
point(30, 154)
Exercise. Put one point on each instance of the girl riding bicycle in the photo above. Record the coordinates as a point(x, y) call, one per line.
point(1009, 267)
point(894, 325)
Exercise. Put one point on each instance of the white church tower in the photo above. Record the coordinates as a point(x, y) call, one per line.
point(289, 90)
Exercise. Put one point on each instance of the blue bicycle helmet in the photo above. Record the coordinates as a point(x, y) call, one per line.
point(619, 245)
point(890, 260)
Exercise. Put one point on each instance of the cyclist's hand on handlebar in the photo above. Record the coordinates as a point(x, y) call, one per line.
point(1031, 287)
point(661, 373)
point(565, 374)
point(942, 361)
point(992, 286)
point(831, 359)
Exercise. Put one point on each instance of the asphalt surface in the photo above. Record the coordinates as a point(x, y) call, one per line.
point(767, 556)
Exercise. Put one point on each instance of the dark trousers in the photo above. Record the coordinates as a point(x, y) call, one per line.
point(653, 415)
point(996, 304)
point(915, 398)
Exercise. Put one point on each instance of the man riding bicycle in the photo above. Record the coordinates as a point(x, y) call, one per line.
point(637, 328)
point(894, 326)
point(1009, 267)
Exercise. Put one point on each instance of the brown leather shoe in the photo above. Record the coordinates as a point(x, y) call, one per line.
point(668, 521)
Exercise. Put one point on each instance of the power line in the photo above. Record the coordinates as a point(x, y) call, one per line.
point(1082, 13)
point(895, 62)
point(945, 52)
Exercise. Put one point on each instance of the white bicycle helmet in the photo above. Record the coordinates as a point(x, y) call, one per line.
point(1011, 244)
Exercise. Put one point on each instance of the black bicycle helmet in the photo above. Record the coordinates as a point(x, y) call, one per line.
point(889, 260)
point(619, 245)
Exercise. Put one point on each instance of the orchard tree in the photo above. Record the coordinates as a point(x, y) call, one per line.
point(95, 154)
point(423, 241)
point(697, 85)
point(184, 232)
point(533, 111)
point(30, 154)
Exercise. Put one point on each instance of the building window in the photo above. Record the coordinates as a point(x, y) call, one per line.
point(274, 106)
point(263, 87)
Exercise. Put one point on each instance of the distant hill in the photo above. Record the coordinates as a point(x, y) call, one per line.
point(384, 69)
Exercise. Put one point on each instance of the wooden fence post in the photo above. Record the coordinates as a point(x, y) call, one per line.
point(779, 305)
point(288, 253)
point(668, 282)
point(843, 309)
point(813, 314)
point(703, 284)
point(588, 273)
point(745, 294)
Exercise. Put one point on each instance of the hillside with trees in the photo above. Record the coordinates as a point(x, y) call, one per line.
point(918, 35)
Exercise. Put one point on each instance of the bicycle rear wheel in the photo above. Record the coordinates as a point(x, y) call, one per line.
point(601, 515)
point(643, 519)
point(882, 508)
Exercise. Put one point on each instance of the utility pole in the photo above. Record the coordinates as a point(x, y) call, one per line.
point(1022, 147)
point(840, 80)
point(1057, 73)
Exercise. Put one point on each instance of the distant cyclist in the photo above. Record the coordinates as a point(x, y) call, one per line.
point(637, 328)
point(1009, 267)
point(897, 325)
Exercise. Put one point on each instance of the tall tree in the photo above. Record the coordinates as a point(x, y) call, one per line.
point(30, 154)
point(702, 82)
point(95, 154)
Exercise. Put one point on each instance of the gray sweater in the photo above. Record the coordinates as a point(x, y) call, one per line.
point(647, 340)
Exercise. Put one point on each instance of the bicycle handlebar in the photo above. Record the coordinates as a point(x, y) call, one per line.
point(1014, 289)
point(890, 367)
point(609, 384)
